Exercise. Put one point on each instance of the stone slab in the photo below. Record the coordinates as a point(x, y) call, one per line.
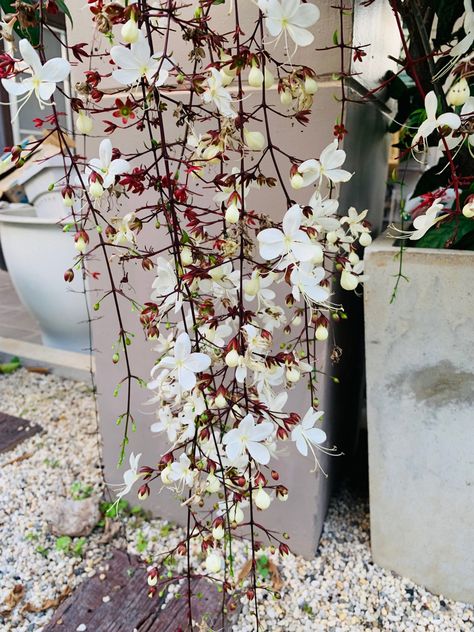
point(70, 364)
point(127, 607)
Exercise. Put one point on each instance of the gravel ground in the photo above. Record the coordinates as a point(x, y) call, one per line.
point(341, 590)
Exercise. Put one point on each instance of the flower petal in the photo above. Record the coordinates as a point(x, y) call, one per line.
point(198, 362)
point(186, 379)
point(258, 452)
point(55, 70)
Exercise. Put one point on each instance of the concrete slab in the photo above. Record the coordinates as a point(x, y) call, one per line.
point(68, 364)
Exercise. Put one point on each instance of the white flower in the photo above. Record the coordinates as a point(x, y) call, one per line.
point(167, 422)
point(184, 363)
point(432, 122)
point(181, 473)
point(217, 94)
point(257, 286)
point(164, 285)
point(304, 434)
point(423, 223)
point(107, 168)
point(290, 17)
point(354, 221)
point(465, 44)
point(43, 79)
point(306, 282)
point(130, 476)
point(291, 244)
point(330, 160)
point(137, 62)
point(247, 436)
point(322, 217)
point(124, 233)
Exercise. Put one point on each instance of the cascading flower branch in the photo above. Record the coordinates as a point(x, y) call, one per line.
point(239, 301)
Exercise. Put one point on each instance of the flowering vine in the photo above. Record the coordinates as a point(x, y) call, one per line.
point(239, 300)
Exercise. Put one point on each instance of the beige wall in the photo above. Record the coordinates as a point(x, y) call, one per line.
point(303, 514)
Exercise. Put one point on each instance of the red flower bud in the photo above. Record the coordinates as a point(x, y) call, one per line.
point(69, 275)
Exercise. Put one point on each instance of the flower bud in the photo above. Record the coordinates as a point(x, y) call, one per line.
point(232, 214)
point(286, 97)
point(262, 499)
point(69, 275)
point(297, 181)
point(186, 256)
point(236, 514)
point(212, 484)
point(232, 358)
point(282, 493)
point(332, 237)
point(349, 281)
point(365, 239)
point(152, 578)
point(255, 78)
point(468, 210)
point(115, 358)
point(282, 434)
point(458, 93)
point(353, 258)
point(321, 333)
point(84, 123)
point(96, 189)
point(130, 31)
point(254, 141)
point(220, 401)
point(68, 201)
point(310, 85)
point(296, 322)
point(284, 549)
point(218, 532)
point(213, 563)
point(143, 492)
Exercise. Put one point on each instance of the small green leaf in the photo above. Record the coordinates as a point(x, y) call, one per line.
point(62, 5)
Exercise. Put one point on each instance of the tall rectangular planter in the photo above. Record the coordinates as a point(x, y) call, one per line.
point(420, 405)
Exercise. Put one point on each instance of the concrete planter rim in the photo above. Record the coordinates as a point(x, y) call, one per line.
point(385, 243)
point(26, 214)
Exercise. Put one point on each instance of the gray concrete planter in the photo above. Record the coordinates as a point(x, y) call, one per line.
point(420, 405)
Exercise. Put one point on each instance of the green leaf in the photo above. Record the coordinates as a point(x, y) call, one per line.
point(62, 5)
point(335, 38)
point(452, 233)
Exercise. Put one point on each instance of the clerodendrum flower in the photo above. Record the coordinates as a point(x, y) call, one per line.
point(328, 165)
point(290, 17)
point(291, 244)
point(432, 122)
point(306, 282)
point(305, 434)
point(107, 168)
point(137, 62)
point(185, 363)
point(217, 94)
point(43, 79)
point(247, 437)
point(423, 223)
point(130, 476)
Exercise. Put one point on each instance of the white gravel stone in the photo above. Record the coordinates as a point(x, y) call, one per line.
point(340, 590)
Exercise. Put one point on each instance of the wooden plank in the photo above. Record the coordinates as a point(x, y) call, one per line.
point(14, 430)
point(129, 609)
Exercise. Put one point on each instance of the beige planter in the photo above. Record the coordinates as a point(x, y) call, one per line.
point(420, 405)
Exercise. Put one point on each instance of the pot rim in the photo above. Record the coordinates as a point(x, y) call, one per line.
point(8, 216)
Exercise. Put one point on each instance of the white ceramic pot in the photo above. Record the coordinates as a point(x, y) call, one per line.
point(37, 253)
